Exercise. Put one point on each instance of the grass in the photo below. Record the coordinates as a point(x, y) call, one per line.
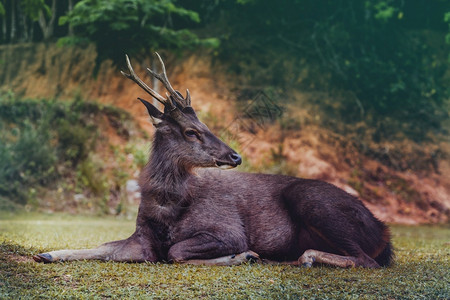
point(421, 271)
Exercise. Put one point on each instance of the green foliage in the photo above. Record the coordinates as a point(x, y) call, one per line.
point(89, 175)
point(139, 153)
point(32, 8)
point(383, 9)
point(133, 26)
point(420, 270)
point(43, 141)
point(68, 41)
point(381, 60)
point(73, 140)
point(380, 51)
point(7, 205)
point(27, 156)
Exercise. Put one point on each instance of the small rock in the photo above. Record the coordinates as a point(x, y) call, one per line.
point(79, 198)
point(133, 191)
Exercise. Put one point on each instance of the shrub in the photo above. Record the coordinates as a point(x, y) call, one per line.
point(43, 141)
point(27, 159)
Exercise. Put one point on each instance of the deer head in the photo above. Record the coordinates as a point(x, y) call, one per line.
point(179, 131)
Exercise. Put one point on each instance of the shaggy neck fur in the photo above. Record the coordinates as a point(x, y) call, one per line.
point(164, 183)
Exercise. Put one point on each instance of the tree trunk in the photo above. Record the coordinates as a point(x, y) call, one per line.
point(4, 32)
point(13, 22)
point(70, 25)
point(43, 24)
point(47, 28)
point(24, 37)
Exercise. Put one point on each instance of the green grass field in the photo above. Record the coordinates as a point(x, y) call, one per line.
point(421, 270)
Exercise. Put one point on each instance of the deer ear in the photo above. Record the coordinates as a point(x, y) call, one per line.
point(155, 115)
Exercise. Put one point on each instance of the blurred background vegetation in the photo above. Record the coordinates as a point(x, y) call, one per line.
point(386, 63)
point(388, 57)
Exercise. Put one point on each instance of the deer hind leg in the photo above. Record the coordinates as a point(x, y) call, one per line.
point(228, 260)
point(310, 257)
point(205, 249)
point(337, 223)
point(129, 250)
point(325, 248)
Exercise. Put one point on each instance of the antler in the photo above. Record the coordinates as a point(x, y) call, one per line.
point(142, 84)
point(174, 95)
point(183, 102)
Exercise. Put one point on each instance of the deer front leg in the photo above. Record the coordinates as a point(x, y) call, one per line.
point(101, 253)
point(205, 249)
point(129, 250)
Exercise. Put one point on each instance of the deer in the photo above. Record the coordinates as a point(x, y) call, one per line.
point(194, 211)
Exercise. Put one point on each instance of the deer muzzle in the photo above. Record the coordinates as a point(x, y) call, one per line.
point(233, 160)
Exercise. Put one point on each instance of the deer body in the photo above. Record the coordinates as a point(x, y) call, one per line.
point(192, 213)
point(230, 221)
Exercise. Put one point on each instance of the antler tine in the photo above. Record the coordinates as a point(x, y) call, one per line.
point(165, 81)
point(142, 84)
point(188, 97)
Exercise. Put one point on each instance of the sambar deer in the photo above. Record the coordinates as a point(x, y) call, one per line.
point(193, 212)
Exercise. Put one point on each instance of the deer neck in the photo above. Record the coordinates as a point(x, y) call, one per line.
point(168, 181)
point(164, 186)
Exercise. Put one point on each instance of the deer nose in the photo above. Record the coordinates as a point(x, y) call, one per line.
point(236, 158)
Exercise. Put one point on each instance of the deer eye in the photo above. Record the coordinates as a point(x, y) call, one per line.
point(191, 133)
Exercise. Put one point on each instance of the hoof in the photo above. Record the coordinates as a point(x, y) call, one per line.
point(43, 257)
point(306, 260)
point(251, 256)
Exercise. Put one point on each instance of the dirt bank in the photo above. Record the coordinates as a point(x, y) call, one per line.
point(303, 149)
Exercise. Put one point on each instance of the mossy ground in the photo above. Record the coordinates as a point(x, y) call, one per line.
point(421, 270)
